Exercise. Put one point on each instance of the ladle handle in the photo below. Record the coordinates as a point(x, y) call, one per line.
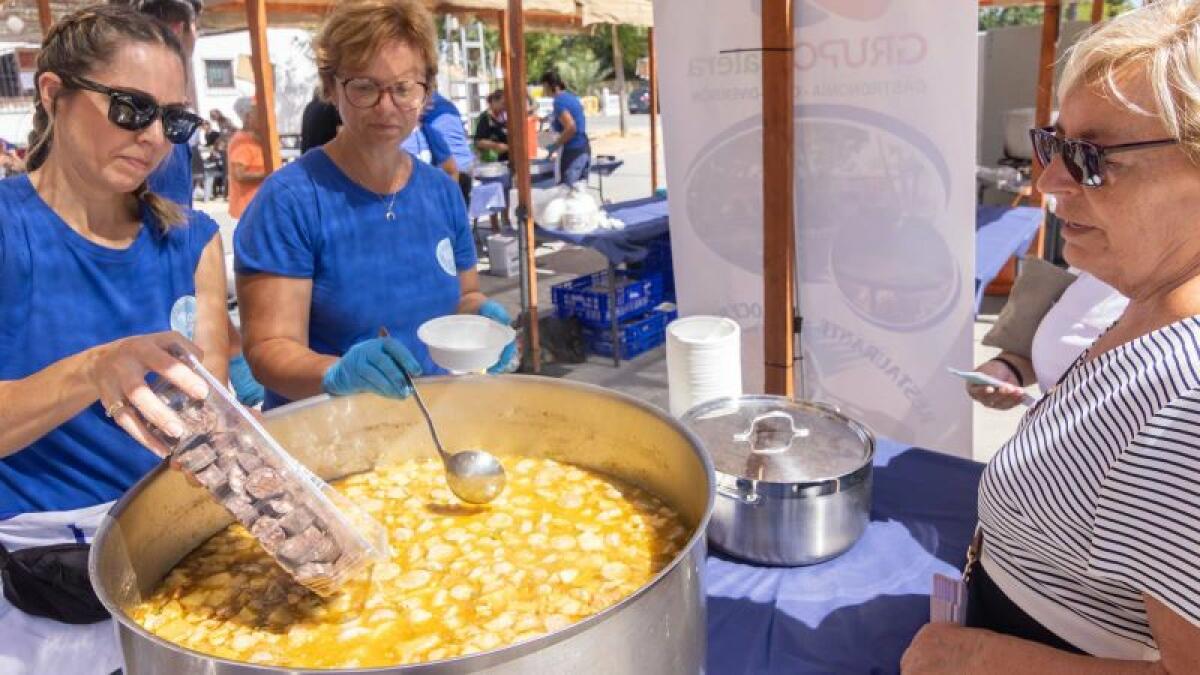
point(437, 441)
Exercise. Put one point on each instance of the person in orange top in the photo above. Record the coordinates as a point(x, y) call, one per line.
point(247, 161)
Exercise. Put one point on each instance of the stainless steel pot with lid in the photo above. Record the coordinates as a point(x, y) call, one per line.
point(793, 477)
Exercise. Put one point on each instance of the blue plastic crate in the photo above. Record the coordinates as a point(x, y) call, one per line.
point(586, 298)
point(657, 261)
point(637, 336)
point(658, 256)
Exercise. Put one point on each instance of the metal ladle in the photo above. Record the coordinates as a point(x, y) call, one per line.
point(474, 476)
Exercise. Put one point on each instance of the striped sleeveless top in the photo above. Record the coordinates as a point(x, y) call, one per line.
point(1095, 500)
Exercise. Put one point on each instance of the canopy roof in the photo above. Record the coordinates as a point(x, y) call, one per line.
point(539, 14)
point(222, 15)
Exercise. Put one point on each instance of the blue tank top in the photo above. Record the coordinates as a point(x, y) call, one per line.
point(59, 295)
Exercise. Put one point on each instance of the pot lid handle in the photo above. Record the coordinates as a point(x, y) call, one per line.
point(771, 432)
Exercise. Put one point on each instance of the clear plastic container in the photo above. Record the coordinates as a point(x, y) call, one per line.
point(317, 535)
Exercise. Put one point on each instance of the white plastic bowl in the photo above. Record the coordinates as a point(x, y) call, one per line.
point(465, 343)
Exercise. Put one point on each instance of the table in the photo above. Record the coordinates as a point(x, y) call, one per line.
point(856, 613)
point(601, 166)
point(486, 198)
point(644, 219)
point(541, 175)
point(1000, 233)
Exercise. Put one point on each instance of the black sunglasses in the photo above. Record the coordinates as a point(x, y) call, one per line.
point(133, 111)
point(1084, 160)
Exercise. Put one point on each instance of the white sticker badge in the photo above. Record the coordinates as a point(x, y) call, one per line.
point(445, 256)
point(183, 316)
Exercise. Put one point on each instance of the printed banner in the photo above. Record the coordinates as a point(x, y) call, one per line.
point(885, 102)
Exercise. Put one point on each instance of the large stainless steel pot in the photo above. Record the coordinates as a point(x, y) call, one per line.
point(793, 478)
point(659, 629)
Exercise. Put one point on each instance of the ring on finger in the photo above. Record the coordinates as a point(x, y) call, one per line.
point(112, 410)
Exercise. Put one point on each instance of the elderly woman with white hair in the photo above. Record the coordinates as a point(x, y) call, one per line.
point(1089, 517)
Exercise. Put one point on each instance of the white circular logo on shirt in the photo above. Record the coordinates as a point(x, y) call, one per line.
point(445, 256)
point(183, 316)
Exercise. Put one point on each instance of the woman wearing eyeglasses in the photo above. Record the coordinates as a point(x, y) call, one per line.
point(91, 266)
point(1090, 514)
point(357, 235)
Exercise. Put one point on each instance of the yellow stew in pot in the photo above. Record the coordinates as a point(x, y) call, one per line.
point(560, 544)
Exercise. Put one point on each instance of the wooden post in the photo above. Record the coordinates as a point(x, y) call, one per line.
point(778, 137)
point(1045, 101)
point(619, 71)
point(1097, 11)
point(1045, 79)
point(264, 82)
point(518, 153)
point(653, 112)
point(502, 22)
point(45, 18)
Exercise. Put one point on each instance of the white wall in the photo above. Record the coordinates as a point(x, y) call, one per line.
point(1008, 64)
point(295, 73)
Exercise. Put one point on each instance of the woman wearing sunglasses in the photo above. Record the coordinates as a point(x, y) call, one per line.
point(1090, 514)
point(91, 266)
point(357, 235)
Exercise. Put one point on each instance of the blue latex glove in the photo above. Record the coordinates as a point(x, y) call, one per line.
point(375, 366)
point(496, 312)
point(249, 391)
point(552, 148)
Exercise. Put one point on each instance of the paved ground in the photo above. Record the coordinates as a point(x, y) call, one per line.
point(646, 376)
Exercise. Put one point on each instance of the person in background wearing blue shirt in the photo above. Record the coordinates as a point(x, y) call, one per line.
point(443, 116)
point(92, 264)
point(428, 145)
point(567, 119)
point(358, 235)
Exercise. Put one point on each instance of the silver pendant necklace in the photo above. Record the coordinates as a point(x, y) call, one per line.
point(390, 214)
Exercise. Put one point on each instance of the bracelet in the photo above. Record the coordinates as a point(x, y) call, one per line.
point(1012, 367)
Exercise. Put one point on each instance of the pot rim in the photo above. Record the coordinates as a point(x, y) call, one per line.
point(482, 659)
point(750, 488)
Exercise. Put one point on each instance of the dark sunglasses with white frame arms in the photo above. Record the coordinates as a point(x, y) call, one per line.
point(1084, 160)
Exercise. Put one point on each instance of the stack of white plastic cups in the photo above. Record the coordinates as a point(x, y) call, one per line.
point(704, 361)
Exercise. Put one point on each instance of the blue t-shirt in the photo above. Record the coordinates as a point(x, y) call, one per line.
point(173, 178)
point(570, 103)
point(443, 116)
point(428, 145)
point(310, 221)
point(59, 295)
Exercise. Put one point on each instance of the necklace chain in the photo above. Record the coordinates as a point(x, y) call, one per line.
point(389, 214)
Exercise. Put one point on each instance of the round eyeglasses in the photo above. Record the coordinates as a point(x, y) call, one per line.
point(364, 92)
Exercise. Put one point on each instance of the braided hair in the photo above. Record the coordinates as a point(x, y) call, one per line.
point(78, 44)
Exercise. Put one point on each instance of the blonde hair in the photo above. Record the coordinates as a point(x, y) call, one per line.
point(1162, 41)
point(78, 44)
point(356, 30)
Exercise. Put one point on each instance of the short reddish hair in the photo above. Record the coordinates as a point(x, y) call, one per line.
point(356, 30)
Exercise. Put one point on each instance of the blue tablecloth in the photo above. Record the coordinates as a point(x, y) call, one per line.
point(541, 175)
point(1000, 233)
point(485, 199)
point(644, 219)
point(856, 613)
